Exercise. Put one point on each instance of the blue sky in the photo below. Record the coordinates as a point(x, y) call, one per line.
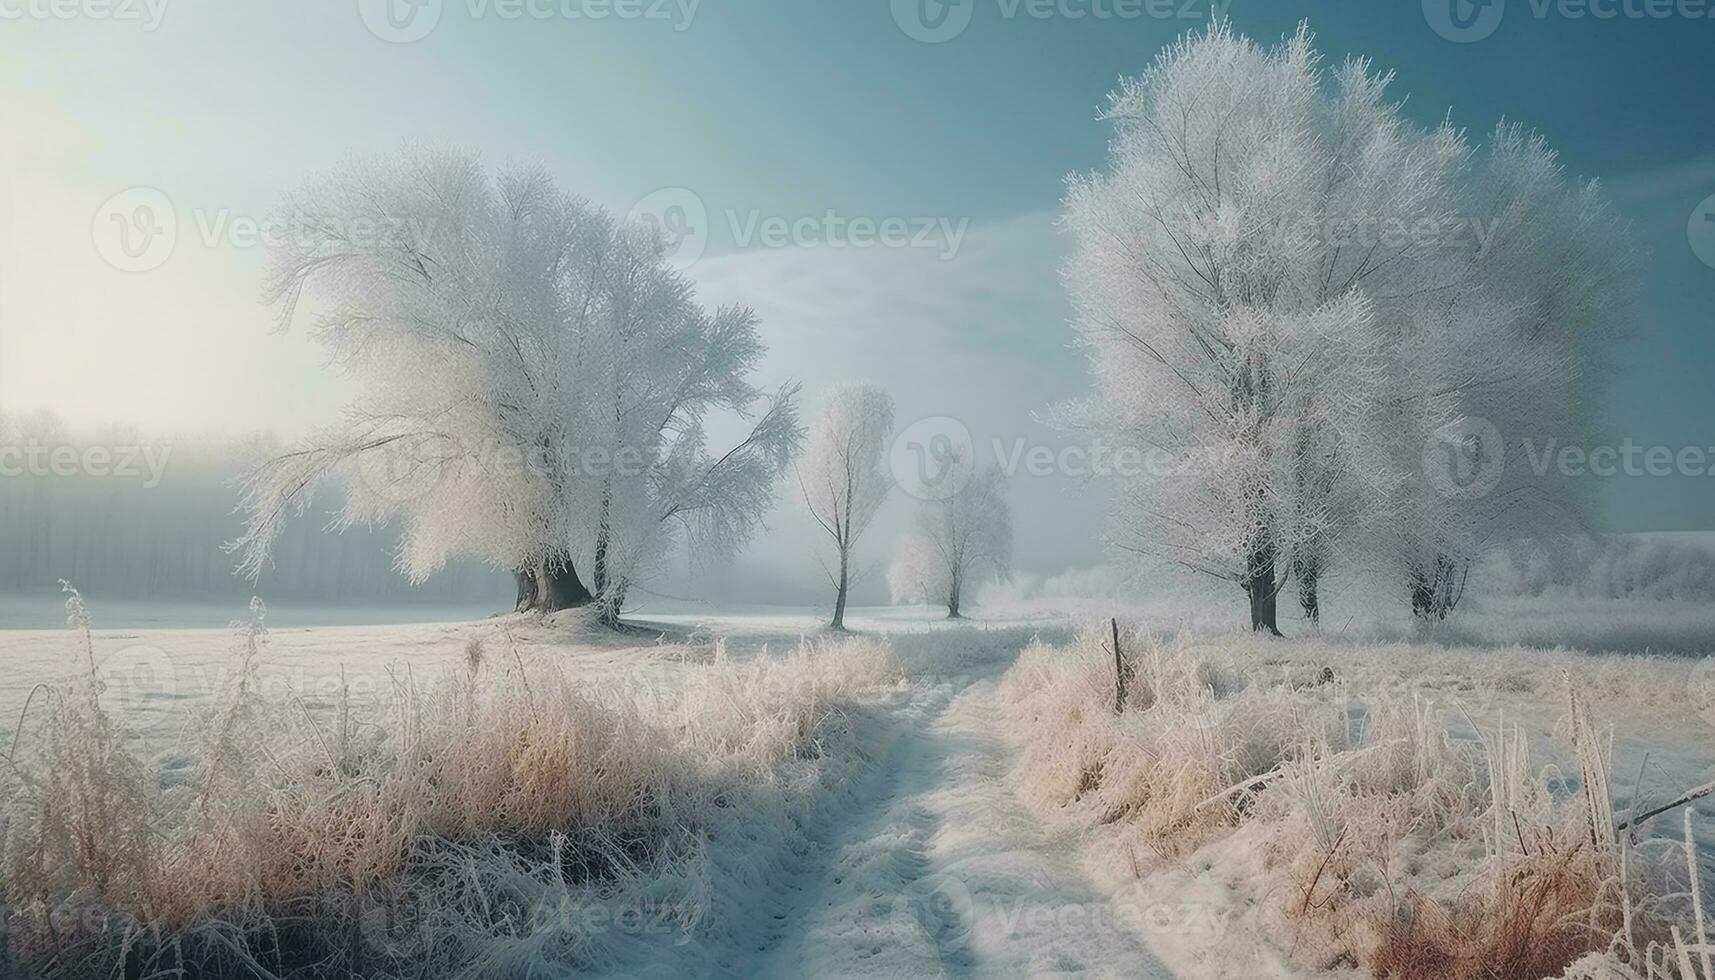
point(764, 109)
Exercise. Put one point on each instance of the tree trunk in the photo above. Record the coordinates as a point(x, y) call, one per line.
point(1435, 591)
point(839, 622)
point(1260, 586)
point(550, 586)
point(528, 589)
point(610, 604)
point(598, 580)
point(953, 600)
point(1309, 580)
point(562, 589)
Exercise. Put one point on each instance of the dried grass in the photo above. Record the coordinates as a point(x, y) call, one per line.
point(448, 830)
point(1378, 838)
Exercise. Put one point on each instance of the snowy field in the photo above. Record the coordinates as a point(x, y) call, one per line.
point(922, 799)
point(47, 611)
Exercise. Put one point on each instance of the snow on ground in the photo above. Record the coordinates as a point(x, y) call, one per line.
point(945, 874)
point(920, 859)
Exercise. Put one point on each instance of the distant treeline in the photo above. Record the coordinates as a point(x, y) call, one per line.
point(117, 515)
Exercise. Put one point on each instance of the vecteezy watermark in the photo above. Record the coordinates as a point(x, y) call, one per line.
point(681, 219)
point(937, 21)
point(831, 229)
point(1700, 231)
point(405, 21)
point(1466, 21)
point(407, 466)
point(148, 13)
point(138, 462)
point(138, 673)
point(1465, 459)
point(1452, 232)
point(936, 915)
point(933, 458)
point(403, 924)
point(400, 21)
point(136, 229)
point(1189, 216)
point(1102, 459)
point(139, 229)
point(1628, 458)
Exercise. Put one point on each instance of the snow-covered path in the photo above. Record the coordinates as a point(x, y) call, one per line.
point(944, 874)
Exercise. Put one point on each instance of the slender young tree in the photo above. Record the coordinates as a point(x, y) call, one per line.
point(961, 535)
point(843, 477)
point(523, 363)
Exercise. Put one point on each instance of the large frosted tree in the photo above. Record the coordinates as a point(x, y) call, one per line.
point(1287, 292)
point(1512, 350)
point(1229, 329)
point(843, 477)
point(956, 537)
point(533, 380)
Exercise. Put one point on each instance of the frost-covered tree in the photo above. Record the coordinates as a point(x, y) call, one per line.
point(533, 380)
point(1224, 280)
point(961, 535)
point(649, 368)
point(843, 476)
point(1513, 345)
point(1291, 292)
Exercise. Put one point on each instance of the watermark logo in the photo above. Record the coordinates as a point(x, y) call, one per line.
point(933, 21)
point(408, 467)
point(139, 229)
point(937, 21)
point(138, 674)
point(147, 464)
point(831, 229)
point(681, 220)
point(400, 21)
point(933, 459)
point(136, 229)
point(933, 916)
point(682, 223)
point(1700, 231)
point(1464, 21)
point(400, 926)
point(148, 13)
point(405, 21)
point(1629, 458)
point(1465, 459)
